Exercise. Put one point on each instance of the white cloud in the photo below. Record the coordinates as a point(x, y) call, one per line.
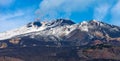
point(101, 11)
point(52, 9)
point(10, 15)
point(6, 2)
point(12, 20)
point(115, 12)
point(16, 18)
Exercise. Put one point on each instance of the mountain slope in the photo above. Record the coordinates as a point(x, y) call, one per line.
point(62, 40)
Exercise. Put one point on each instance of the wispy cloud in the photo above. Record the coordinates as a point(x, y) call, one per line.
point(101, 11)
point(16, 13)
point(10, 15)
point(13, 20)
point(6, 2)
point(52, 9)
point(115, 14)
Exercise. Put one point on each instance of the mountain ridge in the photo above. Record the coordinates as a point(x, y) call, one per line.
point(63, 29)
point(61, 40)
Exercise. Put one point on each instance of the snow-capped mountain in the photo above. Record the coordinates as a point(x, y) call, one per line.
point(65, 30)
point(60, 39)
point(53, 26)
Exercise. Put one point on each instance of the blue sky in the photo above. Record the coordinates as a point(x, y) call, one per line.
point(16, 13)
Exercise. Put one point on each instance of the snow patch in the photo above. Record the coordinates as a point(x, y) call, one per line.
point(84, 26)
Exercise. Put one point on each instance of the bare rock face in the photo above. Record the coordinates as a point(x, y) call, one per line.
point(15, 41)
point(3, 45)
point(61, 22)
point(62, 40)
point(34, 24)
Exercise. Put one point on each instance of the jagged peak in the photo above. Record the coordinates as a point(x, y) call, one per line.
point(95, 21)
point(53, 25)
point(84, 23)
point(61, 22)
point(99, 23)
point(84, 26)
point(91, 21)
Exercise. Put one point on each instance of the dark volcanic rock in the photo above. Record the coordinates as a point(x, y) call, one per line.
point(61, 22)
point(36, 23)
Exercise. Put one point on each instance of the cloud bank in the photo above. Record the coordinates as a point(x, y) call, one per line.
point(108, 11)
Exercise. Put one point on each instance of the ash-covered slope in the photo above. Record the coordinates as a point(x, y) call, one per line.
point(63, 39)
